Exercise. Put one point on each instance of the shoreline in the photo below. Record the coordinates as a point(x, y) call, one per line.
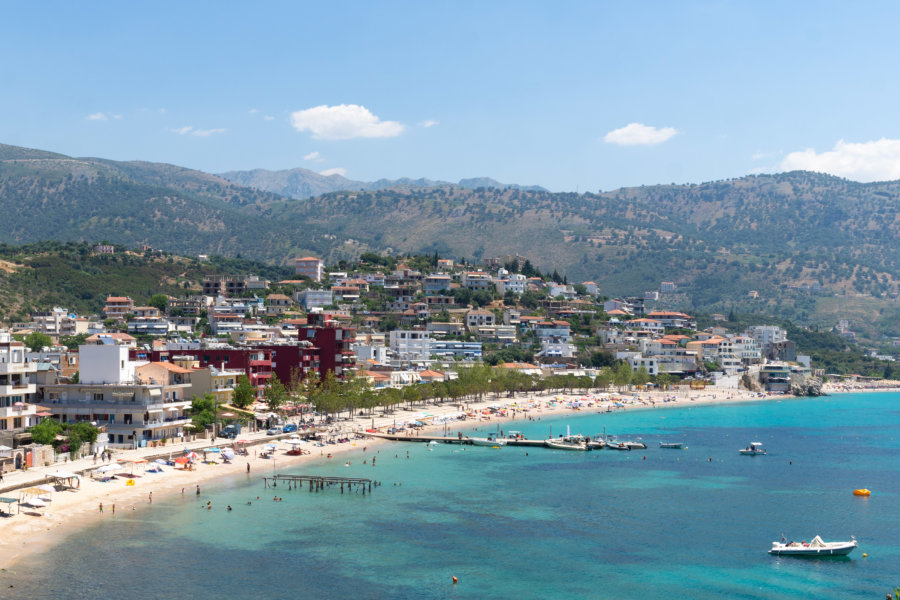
point(69, 511)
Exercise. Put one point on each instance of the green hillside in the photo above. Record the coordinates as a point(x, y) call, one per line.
point(41, 276)
point(804, 242)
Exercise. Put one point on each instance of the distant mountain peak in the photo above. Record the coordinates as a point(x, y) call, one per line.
point(300, 183)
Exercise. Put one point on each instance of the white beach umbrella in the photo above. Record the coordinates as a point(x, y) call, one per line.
point(46, 487)
point(110, 467)
point(36, 502)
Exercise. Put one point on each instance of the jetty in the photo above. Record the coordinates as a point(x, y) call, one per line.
point(319, 482)
point(462, 440)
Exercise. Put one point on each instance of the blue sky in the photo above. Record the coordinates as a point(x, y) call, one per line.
point(568, 95)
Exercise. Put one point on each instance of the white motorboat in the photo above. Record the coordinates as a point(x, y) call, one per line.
point(753, 449)
point(671, 445)
point(570, 442)
point(817, 547)
point(490, 440)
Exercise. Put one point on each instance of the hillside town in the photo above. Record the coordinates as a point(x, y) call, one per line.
point(136, 372)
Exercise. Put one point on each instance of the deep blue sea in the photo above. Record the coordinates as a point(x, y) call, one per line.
point(693, 523)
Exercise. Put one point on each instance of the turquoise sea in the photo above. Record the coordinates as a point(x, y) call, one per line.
point(695, 523)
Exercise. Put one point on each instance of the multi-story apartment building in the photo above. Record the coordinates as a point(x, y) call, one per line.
point(134, 409)
point(17, 386)
point(117, 307)
point(311, 267)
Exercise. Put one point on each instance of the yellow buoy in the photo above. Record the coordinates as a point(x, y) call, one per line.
point(865, 555)
point(862, 492)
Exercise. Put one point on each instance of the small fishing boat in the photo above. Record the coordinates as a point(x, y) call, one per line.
point(635, 445)
point(753, 449)
point(670, 445)
point(817, 547)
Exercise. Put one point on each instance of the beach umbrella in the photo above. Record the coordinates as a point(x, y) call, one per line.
point(228, 454)
point(46, 487)
point(192, 455)
point(182, 460)
point(109, 467)
point(161, 461)
point(269, 446)
point(212, 449)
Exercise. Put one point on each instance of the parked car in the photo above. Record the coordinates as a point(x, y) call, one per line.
point(289, 428)
point(273, 431)
point(230, 431)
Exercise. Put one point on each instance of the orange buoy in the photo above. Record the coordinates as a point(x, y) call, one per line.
point(862, 492)
point(455, 580)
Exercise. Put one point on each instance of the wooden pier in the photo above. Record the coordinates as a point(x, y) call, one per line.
point(464, 440)
point(319, 483)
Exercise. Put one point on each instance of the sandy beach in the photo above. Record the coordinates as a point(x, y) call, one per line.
point(34, 530)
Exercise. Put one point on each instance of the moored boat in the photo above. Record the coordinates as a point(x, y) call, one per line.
point(671, 445)
point(490, 440)
point(753, 449)
point(817, 547)
point(569, 442)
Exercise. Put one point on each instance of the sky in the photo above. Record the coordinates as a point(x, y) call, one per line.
point(573, 96)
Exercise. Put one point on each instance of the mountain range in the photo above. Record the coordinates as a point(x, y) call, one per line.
point(300, 183)
point(802, 245)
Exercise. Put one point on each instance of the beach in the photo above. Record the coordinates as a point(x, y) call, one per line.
point(27, 533)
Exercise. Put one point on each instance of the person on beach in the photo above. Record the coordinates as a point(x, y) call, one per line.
point(198, 490)
point(101, 508)
point(248, 468)
point(113, 509)
point(150, 498)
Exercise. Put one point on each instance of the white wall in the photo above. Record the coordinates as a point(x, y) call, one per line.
point(104, 364)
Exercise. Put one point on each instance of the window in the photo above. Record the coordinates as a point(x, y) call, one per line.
point(17, 422)
point(98, 397)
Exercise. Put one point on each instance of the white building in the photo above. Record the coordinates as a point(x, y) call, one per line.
point(512, 282)
point(410, 345)
point(110, 394)
point(310, 298)
point(17, 385)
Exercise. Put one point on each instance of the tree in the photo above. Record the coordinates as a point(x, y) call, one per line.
point(622, 376)
point(275, 394)
point(80, 433)
point(462, 296)
point(160, 301)
point(203, 411)
point(46, 431)
point(244, 393)
point(37, 340)
point(641, 377)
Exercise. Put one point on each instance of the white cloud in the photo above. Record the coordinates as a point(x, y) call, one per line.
point(343, 122)
point(863, 161)
point(335, 171)
point(207, 132)
point(268, 118)
point(253, 111)
point(638, 134)
point(96, 117)
point(311, 156)
point(197, 132)
point(117, 117)
point(429, 123)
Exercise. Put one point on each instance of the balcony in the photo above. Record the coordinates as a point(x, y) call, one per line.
point(17, 389)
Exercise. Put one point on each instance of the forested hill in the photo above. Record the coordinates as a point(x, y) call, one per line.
point(717, 241)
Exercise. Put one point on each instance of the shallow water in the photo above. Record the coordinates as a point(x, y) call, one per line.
point(693, 523)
